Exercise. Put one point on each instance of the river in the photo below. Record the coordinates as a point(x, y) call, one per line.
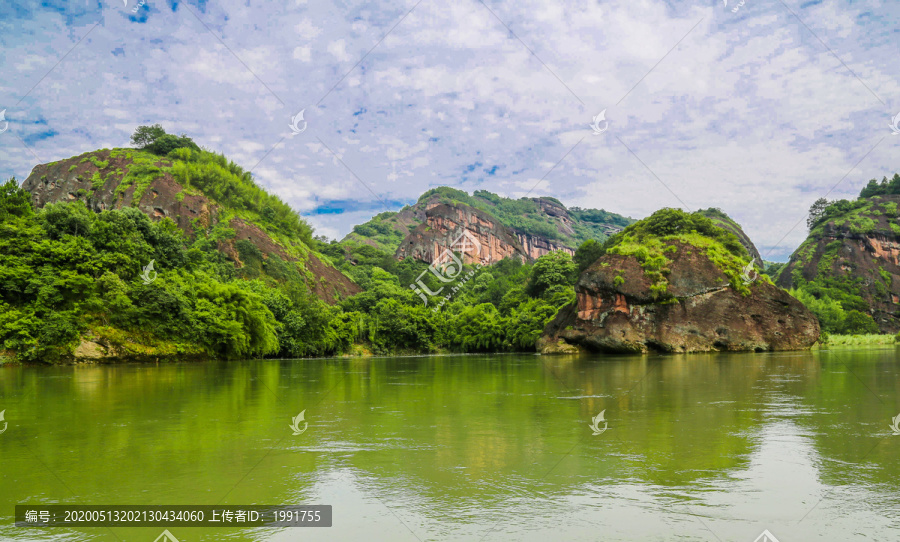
point(711, 447)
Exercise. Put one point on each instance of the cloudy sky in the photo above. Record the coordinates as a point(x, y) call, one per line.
point(758, 107)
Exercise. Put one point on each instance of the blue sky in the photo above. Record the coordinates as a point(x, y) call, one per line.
point(758, 111)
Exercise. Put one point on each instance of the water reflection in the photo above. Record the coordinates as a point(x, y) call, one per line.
point(703, 446)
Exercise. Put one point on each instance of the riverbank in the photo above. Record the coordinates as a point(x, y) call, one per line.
point(857, 340)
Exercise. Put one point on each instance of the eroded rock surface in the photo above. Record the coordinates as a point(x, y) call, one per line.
point(616, 311)
point(865, 263)
point(444, 223)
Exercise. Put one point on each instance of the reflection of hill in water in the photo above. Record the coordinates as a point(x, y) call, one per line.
point(488, 428)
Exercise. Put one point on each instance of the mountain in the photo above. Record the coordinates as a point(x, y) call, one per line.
point(848, 268)
point(678, 282)
point(527, 227)
point(206, 197)
point(165, 252)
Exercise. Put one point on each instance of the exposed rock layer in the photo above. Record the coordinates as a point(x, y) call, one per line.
point(867, 264)
point(444, 224)
point(705, 312)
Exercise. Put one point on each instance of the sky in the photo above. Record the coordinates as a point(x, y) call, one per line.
point(757, 107)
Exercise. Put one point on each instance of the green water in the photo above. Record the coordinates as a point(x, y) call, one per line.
point(699, 447)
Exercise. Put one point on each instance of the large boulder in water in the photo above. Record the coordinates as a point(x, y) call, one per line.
point(672, 284)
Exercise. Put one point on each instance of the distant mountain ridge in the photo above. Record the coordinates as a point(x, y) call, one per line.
point(528, 227)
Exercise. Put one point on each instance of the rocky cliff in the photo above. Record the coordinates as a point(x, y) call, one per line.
point(445, 223)
point(111, 179)
point(852, 256)
point(675, 284)
point(528, 227)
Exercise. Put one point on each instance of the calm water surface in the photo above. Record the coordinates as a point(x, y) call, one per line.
point(711, 447)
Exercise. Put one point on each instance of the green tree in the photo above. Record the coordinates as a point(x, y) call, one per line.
point(14, 201)
point(144, 136)
point(857, 323)
point(552, 269)
point(817, 212)
point(588, 253)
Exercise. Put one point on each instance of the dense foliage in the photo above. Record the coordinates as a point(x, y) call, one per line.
point(68, 273)
point(155, 139)
point(503, 307)
point(874, 188)
point(837, 298)
point(525, 215)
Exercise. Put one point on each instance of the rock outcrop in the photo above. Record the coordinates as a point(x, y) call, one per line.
point(444, 223)
point(857, 253)
point(616, 310)
point(528, 227)
point(96, 178)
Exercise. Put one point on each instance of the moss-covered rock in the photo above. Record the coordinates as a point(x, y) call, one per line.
point(851, 262)
point(676, 282)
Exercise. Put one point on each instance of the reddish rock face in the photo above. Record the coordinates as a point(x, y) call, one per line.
point(70, 179)
point(869, 257)
point(444, 223)
point(705, 313)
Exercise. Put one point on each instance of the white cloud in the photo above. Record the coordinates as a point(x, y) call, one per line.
point(749, 112)
point(338, 49)
point(303, 53)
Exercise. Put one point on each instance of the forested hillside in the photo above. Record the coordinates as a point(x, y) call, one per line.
point(169, 251)
point(848, 269)
point(545, 218)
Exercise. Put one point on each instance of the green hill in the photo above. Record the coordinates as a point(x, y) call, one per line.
point(163, 251)
point(848, 268)
point(544, 218)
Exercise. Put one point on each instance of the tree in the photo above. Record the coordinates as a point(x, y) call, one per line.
point(588, 253)
point(14, 200)
point(817, 212)
point(167, 143)
point(554, 268)
point(858, 323)
point(155, 139)
point(873, 189)
point(144, 136)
